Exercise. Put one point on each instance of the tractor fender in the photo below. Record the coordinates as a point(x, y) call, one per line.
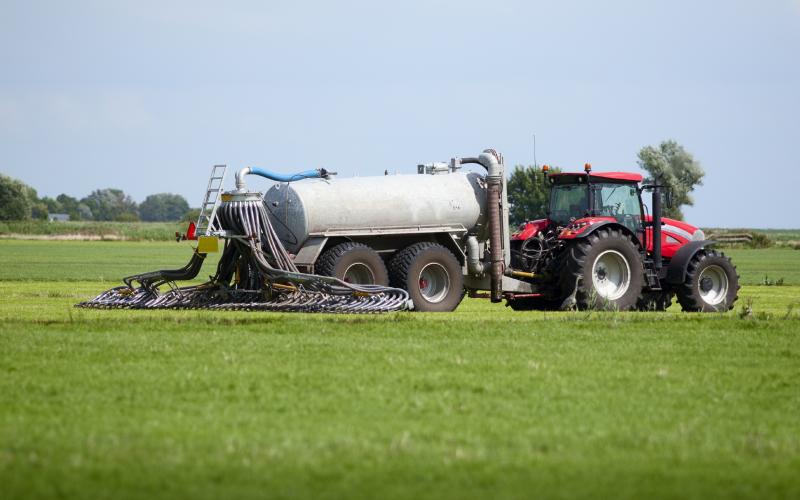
point(604, 224)
point(676, 270)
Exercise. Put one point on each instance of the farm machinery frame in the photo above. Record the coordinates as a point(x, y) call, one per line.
point(315, 242)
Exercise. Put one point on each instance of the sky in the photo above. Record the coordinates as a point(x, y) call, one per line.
point(146, 96)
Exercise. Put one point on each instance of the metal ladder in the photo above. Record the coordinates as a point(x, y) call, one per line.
point(206, 222)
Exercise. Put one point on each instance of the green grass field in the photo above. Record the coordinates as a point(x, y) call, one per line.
point(138, 231)
point(482, 402)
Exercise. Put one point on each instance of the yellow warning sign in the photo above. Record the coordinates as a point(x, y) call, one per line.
point(207, 244)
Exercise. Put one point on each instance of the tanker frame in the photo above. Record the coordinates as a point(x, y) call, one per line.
point(436, 234)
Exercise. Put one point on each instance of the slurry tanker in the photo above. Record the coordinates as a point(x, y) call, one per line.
point(318, 243)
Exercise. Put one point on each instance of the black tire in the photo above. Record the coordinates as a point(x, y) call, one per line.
point(354, 263)
point(711, 283)
point(655, 301)
point(431, 274)
point(606, 253)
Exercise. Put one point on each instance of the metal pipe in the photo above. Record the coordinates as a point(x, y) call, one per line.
point(495, 237)
point(492, 161)
point(474, 264)
point(495, 202)
point(470, 159)
point(523, 274)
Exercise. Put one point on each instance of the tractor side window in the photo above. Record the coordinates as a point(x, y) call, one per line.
point(568, 201)
point(620, 201)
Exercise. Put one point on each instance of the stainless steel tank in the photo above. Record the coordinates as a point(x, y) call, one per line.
point(383, 203)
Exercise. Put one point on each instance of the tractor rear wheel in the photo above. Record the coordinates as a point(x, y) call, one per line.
point(602, 271)
point(431, 274)
point(354, 263)
point(711, 283)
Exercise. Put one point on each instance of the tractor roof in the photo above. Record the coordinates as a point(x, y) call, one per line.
point(611, 176)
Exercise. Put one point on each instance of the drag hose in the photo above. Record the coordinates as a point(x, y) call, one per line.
point(254, 273)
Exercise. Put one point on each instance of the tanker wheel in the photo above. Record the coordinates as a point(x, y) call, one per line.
point(711, 283)
point(655, 301)
point(602, 271)
point(431, 274)
point(354, 263)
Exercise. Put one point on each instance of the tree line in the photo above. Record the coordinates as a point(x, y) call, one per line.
point(18, 201)
point(668, 162)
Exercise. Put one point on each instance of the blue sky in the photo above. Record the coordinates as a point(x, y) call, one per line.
point(146, 96)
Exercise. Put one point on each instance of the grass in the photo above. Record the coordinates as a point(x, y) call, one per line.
point(773, 263)
point(92, 260)
point(138, 231)
point(104, 261)
point(482, 402)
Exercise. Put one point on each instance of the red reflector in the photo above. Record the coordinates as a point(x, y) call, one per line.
point(190, 233)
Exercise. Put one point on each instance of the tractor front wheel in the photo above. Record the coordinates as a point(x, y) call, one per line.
point(711, 283)
point(602, 271)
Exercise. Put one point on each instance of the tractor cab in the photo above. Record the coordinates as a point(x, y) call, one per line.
point(612, 196)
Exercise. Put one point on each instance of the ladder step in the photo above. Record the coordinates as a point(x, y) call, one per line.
point(208, 210)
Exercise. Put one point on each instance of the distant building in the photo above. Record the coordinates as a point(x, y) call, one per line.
point(57, 217)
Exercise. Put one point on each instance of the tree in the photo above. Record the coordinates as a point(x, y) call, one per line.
point(191, 215)
point(53, 205)
point(84, 212)
point(674, 167)
point(527, 194)
point(163, 207)
point(15, 199)
point(110, 204)
point(39, 209)
point(73, 207)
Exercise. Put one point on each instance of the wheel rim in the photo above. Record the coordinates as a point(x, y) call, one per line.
point(611, 275)
point(359, 274)
point(434, 282)
point(713, 285)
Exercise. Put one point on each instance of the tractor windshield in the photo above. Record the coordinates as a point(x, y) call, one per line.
point(609, 199)
point(620, 201)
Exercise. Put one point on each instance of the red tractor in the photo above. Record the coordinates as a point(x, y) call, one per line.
point(598, 248)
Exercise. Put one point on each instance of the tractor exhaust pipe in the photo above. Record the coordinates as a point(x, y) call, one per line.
point(657, 227)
